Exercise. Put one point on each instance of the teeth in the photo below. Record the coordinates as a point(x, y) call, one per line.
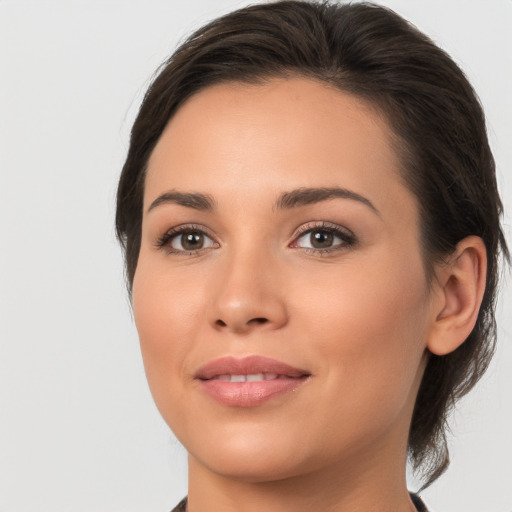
point(255, 377)
point(251, 377)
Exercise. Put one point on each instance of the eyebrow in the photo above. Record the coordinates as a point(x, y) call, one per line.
point(189, 199)
point(306, 196)
point(288, 200)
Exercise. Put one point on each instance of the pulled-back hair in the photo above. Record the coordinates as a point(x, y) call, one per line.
point(439, 131)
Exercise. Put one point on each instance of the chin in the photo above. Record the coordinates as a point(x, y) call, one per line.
point(260, 470)
point(251, 458)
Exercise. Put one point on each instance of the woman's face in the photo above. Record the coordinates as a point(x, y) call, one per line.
point(279, 242)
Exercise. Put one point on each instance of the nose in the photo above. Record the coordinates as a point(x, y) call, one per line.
point(249, 295)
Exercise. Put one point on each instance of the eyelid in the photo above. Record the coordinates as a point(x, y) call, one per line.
point(163, 241)
point(346, 235)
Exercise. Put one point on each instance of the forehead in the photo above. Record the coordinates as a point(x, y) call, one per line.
point(283, 134)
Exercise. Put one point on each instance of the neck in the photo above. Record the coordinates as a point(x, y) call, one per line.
point(356, 486)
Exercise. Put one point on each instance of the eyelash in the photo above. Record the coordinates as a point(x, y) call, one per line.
point(164, 242)
point(347, 237)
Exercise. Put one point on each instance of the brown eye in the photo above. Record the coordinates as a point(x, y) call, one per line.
point(325, 239)
point(190, 241)
point(321, 239)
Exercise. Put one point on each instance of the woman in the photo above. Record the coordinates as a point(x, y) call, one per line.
point(310, 220)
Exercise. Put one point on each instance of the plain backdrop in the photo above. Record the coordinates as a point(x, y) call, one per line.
point(78, 428)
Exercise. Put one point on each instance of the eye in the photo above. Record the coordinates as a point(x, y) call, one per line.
point(324, 238)
point(186, 240)
point(191, 241)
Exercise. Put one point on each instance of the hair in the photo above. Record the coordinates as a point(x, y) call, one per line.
point(439, 131)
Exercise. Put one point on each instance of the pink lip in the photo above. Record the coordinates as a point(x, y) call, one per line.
point(249, 393)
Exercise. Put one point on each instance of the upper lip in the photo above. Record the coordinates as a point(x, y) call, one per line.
point(248, 365)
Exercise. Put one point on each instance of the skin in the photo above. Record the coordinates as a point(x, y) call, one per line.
point(359, 317)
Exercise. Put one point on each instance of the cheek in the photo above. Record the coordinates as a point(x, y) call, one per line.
point(369, 322)
point(167, 310)
point(166, 301)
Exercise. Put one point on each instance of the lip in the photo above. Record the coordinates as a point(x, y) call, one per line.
point(283, 379)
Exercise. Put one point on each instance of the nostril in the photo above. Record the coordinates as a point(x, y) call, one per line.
point(259, 320)
point(219, 323)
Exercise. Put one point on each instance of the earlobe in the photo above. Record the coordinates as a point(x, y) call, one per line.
point(461, 286)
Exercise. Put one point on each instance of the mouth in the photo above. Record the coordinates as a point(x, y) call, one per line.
point(249, 381)
point(251, 377)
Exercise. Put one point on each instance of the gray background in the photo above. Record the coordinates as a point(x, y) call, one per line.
point(78, 429)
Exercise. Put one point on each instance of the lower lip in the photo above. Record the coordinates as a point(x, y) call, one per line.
point(249, 394)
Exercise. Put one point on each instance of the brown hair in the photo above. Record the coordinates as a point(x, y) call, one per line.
point(440, 133)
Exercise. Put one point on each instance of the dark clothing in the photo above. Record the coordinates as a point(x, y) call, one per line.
point(420, 506)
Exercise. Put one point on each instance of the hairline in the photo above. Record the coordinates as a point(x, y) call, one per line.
point(370, 100)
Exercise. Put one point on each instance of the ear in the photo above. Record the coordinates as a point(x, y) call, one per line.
point(460, 289)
